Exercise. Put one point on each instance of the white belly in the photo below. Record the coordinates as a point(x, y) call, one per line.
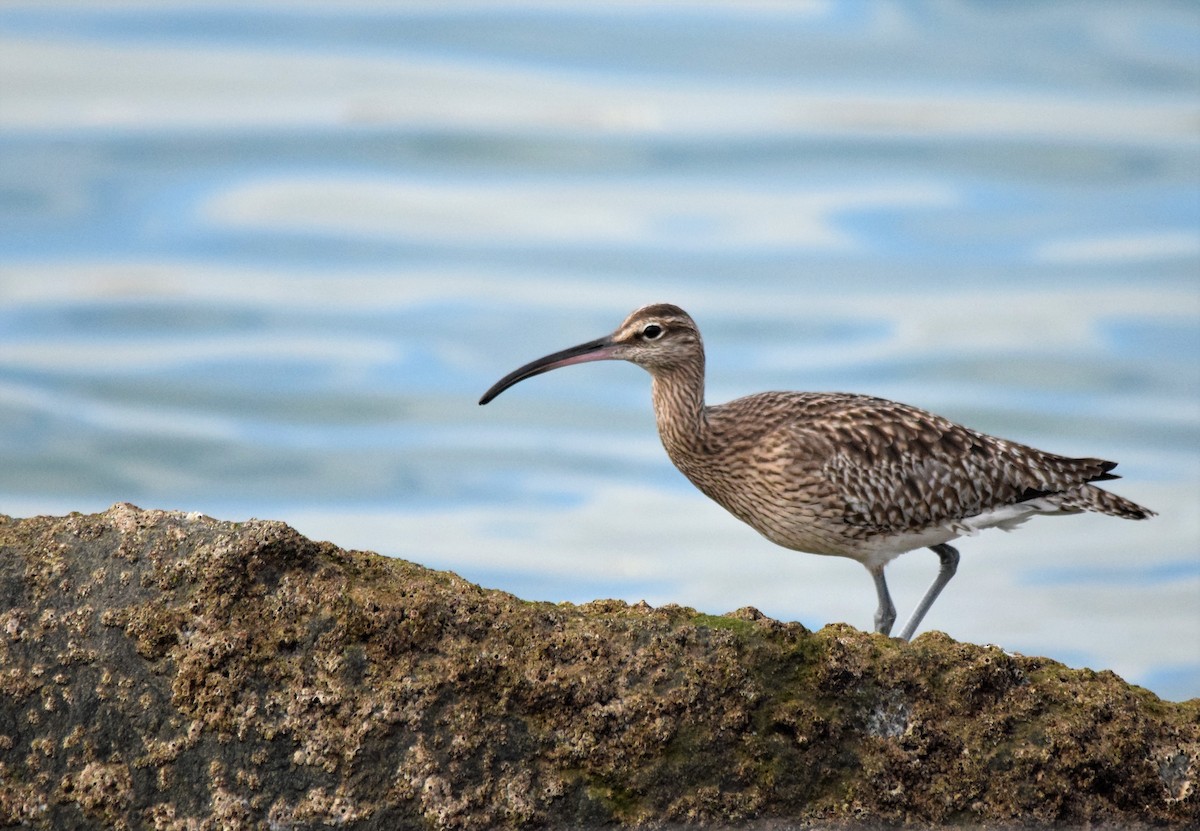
point(883, 549)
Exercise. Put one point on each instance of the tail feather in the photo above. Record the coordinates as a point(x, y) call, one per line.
point(1101, 470)
point(1092, 498)
point(1065, 483)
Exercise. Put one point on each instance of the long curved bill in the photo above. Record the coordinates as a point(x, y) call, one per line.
point(601, 349)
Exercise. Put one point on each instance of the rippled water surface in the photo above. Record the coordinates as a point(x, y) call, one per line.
point(261, 260)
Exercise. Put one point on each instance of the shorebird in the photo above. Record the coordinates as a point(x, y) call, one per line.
point(839, 473)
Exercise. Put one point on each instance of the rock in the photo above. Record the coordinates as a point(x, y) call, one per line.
point(167, 670)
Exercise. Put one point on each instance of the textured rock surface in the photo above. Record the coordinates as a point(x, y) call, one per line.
point(172, 671)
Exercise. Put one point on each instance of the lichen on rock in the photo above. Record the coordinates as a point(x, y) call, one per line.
point(168, 670)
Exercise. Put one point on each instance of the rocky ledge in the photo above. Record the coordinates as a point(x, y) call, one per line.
point(171, 671)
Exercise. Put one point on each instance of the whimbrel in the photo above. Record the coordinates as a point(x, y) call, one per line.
point(838, 473)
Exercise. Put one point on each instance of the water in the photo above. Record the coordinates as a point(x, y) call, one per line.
point(262, 259)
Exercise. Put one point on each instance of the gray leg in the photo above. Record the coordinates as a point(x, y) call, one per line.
point(949, 557)
point(885, 615)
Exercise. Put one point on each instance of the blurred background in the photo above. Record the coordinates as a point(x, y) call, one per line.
point(261, 259)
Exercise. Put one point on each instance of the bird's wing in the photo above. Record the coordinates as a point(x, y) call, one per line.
point(892, 468)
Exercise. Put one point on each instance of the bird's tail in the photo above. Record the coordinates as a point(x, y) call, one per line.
point(1092, 498)
point(1067, 485)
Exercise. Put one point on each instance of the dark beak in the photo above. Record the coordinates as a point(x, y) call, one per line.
point(602, 349)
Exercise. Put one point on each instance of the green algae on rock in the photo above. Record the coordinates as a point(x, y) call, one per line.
point(168, 670)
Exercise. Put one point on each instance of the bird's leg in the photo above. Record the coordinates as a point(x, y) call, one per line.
point(949, 557)
point(885, 615)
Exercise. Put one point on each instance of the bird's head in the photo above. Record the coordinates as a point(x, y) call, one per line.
point(658, 338)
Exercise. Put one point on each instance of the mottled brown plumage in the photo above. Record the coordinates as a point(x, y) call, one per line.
point(838, 473)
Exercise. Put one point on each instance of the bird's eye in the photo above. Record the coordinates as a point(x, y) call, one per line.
point(652, 332)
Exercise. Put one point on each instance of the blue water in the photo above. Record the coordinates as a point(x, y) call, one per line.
point(261, 260)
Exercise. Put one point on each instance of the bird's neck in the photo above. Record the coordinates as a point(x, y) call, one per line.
point(679, 407)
